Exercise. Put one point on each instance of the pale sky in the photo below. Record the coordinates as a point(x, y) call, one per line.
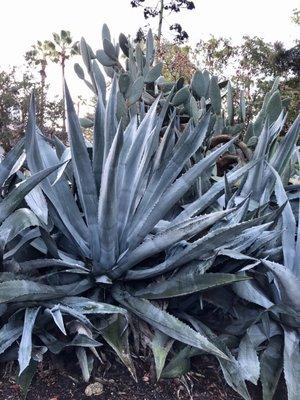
point(25, 21)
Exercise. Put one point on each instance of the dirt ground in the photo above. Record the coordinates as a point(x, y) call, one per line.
point(64, 383)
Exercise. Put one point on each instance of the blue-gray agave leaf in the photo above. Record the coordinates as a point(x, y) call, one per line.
point(84, 179)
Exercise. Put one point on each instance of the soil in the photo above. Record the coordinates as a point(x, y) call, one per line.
point(61, 383)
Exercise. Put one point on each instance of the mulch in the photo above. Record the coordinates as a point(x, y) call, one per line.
point(63, 382)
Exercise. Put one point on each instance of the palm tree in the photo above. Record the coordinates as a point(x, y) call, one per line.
point(38, 56)
point(61, 48)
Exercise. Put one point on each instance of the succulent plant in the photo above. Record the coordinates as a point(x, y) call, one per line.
point(140, 83)
point(141, 228)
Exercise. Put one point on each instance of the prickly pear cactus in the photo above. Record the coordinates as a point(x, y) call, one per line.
point(136, 76)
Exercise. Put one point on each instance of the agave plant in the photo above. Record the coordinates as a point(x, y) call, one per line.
point(95, 235)
point(263, 328)
point(142, 229)
point(270, 342)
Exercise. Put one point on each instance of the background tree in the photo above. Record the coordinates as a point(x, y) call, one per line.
point(61, 48)
point(159, 10)
point(13, 104)
point(38, 57)
point(253, 65)
point(15, 91)
point(289, 59)
point(177, 61)
point(296, 16)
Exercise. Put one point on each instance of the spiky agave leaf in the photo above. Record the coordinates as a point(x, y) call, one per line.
point(165, 322)
point(185, 284)
point(116, 335)
point(84, 179)
point(161, 344)
point(40, 155)
point(291, 357)
point(16, 196)
point(12, 162)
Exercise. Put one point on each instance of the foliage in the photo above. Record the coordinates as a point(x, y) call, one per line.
point(158, 11)
point(16, 88)
point(296, 16)
point(150, 226)
point(38, 56)
point(59, 50)
point(176, 61)
point(253, 65)
point(15, 91)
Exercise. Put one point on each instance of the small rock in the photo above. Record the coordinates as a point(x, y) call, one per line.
point(94, 389)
